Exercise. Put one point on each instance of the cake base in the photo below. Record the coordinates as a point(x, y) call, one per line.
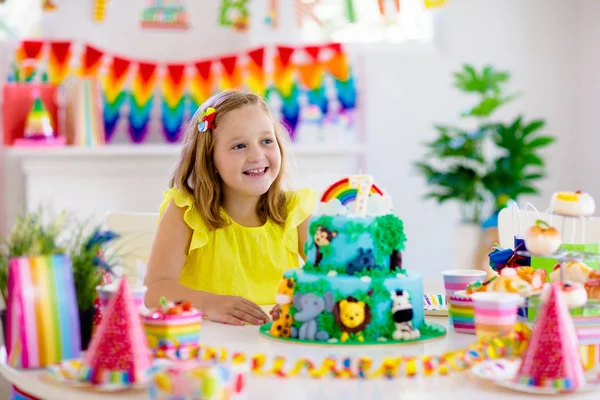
point(429, 331)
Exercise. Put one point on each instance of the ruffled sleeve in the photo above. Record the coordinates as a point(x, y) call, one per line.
point(191, 216)
point(299, 209)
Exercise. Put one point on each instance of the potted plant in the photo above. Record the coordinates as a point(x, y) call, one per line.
point(484, 164)
point(90, 264)
point(30, 236)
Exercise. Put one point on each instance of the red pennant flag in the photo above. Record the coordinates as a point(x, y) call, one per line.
point(229, 64)
point(90, 60)
point(258, 56)
point(120, 67)
point(60, 50)
point(32, 48)
point(285, 54)
point(176, 71)
point(313, 51)
point(203, 68)
point(337, 47)
point(146, 70)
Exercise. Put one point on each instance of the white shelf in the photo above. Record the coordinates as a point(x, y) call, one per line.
point(165, 150)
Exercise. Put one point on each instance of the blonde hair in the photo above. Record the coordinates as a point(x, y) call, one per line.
point(195, 172)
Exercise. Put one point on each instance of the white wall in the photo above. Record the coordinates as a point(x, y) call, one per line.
point(537, 40)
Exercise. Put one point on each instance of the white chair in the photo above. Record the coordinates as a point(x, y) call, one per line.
point(136, 231)
point(513, 222)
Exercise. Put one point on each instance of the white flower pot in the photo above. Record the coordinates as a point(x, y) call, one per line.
point(467, 239)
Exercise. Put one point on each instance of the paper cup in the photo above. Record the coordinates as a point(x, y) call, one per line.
point(459, 279)
point(495, 313)
point(461, 311)
point(105, 293)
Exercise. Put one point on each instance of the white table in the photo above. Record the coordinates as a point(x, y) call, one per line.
point(246, 339)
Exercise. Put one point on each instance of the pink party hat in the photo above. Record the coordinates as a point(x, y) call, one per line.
point(119, 352)
point(552, 357)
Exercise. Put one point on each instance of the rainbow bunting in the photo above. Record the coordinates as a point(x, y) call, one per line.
point(140, 101)
point(256, 78)
point(311, 75)
point(113, 94)
point(287, 88)
point(173, 101)
point(91, 58)
point(42, 317)
point(345, 86)
point(58, 62)
point(201, 85)
point(231, 77)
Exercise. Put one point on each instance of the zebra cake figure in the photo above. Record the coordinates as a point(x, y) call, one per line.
point(402, 314)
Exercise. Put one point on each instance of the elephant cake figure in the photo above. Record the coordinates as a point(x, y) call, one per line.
point(310, 306)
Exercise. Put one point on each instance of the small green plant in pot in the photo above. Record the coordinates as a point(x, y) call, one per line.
point(90, 264)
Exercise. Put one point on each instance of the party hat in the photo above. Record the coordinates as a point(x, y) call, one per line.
point(118, 353)
point(38, 124)
point(552, 357)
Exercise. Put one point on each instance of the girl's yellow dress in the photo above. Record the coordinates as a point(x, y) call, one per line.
point(238, 260)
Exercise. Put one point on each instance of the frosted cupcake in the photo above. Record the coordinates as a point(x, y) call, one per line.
point(173, 330)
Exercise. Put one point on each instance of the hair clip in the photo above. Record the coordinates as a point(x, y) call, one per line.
point(207, 120)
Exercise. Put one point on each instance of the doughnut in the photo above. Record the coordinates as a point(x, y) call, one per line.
point(574, 204)
point(574, 294)
point(542, 239)
point(575, 272)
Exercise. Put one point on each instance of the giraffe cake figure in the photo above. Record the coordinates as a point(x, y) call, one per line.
point(353, 288)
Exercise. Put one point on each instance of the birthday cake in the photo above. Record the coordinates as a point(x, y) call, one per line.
point(353, 287)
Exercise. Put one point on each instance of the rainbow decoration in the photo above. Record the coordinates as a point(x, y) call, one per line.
point(113, 94)
point(118, 353)
point(311, 75)
point(173, 102)
point(256, 78)
point(345, 86)
point(284, 84)
point(202, 84)
point(140, 101)
point(58, 62)
point(42, 316)
point(91, 58)
point(342, 191)
point(27, 58)
point(231, 77)
point(38, 124)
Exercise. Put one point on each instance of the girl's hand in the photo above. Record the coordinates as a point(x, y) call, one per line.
point(235, 310)
point(275, 312)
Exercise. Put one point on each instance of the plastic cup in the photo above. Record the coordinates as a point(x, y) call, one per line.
point(461, 311)
point(495, 313)
point(105, 293)
point(459, 279)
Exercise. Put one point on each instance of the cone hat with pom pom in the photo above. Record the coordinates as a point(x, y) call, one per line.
point(118, 352)
point(552, 357)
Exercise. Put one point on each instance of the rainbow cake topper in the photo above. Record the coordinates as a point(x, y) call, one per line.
point(345, 193)
point(357, 189)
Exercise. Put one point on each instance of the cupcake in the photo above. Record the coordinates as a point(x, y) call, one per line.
point(542, 239)
point(173, 329)
point(592, 285)
point(574, 204)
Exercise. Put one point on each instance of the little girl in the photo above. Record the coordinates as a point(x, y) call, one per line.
point(228, 230)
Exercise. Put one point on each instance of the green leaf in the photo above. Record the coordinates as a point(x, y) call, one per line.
point(532, 177)
point(541, 141)
point(532, 159)
point(533, 126)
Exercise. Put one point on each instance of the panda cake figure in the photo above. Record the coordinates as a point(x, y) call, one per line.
point(353, 288)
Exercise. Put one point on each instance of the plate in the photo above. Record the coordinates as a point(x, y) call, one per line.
point(501, 372)
point(435, 305)
point(65, 373)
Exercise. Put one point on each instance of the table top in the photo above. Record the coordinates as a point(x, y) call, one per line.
point(247, 339)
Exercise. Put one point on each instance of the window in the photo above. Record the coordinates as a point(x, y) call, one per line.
point(19, 19)
point(367, 21)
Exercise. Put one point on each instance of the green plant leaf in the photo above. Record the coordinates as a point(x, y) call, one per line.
point(533, 159)
point(533, 126)
point(541, 141)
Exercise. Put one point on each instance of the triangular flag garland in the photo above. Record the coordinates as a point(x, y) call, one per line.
point(552, 357)
point(118, 352)
point(323, 80)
